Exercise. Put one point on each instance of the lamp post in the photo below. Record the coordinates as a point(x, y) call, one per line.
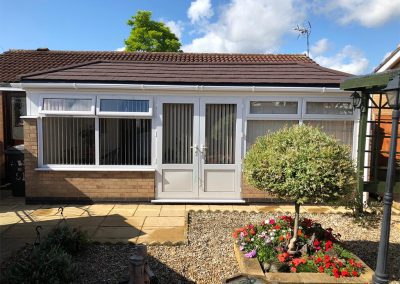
point(393, 93)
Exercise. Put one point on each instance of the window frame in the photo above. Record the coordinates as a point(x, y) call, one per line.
point(279, 116)
point(44, 112)
point(306, 116)
point(148, 114)
point(94, 114)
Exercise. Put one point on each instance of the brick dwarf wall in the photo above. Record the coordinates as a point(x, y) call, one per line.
point(80, 186)
point(251, 194)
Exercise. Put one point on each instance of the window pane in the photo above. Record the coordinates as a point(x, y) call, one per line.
point(220, 133)
point(18, 109)
point(330, 108)
point(68, 141)
point(177, 133)
point(67, 104)
point(256, 128)
point(341, 130)
point(124, 105)
point(125, 141)
point(275, 107)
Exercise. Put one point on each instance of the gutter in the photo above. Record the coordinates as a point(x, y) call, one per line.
point(196, 88)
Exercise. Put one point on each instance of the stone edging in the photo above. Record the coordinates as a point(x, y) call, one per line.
point(251, 266)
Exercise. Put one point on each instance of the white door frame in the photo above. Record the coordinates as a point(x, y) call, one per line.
point(198, 167)
point(230, 193)
point(160, 194)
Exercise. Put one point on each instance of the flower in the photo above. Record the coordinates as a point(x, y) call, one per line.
point(281, 238)
point(271, 221)
point(336, 273)
point(321, 269)
point(354, 273)
point(283, 256)
point(251, 254)
point(241, 247)
point(328, 245)
point(252, 232)
point(297, 261)
point(345, 273)
point(293, 269)
point(277, 227)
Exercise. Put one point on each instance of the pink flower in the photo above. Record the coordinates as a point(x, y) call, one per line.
point(251, 254)
point(271, 221)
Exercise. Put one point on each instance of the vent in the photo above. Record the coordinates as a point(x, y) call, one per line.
point(42, 49)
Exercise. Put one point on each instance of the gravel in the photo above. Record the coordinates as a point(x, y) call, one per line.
point(209, 257)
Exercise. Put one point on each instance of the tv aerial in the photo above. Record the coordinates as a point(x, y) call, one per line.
point(305, 31)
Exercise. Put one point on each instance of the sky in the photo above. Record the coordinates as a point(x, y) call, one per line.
point(353, 36)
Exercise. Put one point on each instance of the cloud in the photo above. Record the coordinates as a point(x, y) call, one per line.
point(349, 59)
point(200, 10)
point(249, 26)
point(369, 13)
point(175, 27)
point(120, 49)
point(320, 47)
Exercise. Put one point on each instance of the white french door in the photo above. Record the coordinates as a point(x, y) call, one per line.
point(198, 148)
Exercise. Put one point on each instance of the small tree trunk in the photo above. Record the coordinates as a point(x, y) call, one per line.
point(293, 240)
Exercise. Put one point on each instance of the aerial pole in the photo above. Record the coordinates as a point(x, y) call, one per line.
point(305, 31)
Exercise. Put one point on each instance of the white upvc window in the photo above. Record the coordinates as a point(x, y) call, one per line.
point(274, 107)
point(334, 115)
point(71, 137)
point(60, 104)
point(328, 108)
point(124, 106)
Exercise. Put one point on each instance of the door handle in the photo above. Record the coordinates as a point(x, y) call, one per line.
point(203, 147)
point(195, 148)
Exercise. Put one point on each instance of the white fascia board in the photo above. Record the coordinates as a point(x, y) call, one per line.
point(193, 88)
point(390, 63)
point(11, 89)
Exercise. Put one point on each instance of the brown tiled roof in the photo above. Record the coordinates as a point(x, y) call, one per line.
point(232, 73)
point(17, 62)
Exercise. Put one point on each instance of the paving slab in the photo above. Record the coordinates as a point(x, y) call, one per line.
point(45, 212)
point(148, 211)
point(164, 221)
point(172, 212)
point(119, 221)
point(244, 208)
point(99, 210)
point(116, 233)
point(25, 231)
point(126, 210)
point(221, 208)
point(164, 235)
point(9, 246)
point(73, 211)
point(81, 222)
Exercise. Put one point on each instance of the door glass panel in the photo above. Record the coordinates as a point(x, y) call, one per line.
point(177, 133)
point(220, 133)
point(18, 109)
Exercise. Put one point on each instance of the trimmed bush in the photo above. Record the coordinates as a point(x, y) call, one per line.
point(301, 164)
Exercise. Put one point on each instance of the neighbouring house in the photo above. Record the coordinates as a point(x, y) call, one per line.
point(162, 127)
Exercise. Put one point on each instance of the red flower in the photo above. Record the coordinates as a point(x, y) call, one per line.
point(318, 260)
point(283, 256)
point(298, 261)
point(345, 273)
point(328, 245)
point(327, 265)
point(277, 227)
point(252, 232)
point(293, 269)
point(336, 272)
point(288, 236)
point(327, 258)
point(354, 273)
point(351, 261)
point(235, 234)
point(281, 238)
point(321, 269)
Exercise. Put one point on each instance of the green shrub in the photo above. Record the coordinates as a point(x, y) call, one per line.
point(301, 164)
point(40, 265)
point(51, 261)
point(72, 240)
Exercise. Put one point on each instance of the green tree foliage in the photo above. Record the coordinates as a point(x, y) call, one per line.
point(151, 36)
point(301, 164)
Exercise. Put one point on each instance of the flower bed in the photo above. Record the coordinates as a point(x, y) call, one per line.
point(318, 249)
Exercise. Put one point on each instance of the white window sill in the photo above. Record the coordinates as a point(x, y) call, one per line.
point(94, 169)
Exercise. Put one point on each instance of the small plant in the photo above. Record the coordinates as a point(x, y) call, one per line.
point(318, 250)
point(301, 164)
point(39, 265)
point(51, 260)
point(72, 240)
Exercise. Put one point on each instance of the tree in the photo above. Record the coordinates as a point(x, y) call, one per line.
point(149, 35)
point(301, 164)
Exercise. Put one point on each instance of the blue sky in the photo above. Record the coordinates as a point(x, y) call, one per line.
point(349, 35)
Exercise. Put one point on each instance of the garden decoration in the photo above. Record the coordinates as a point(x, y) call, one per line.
point(301, 164)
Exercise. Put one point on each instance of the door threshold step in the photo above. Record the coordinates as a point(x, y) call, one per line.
point(200, 201)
